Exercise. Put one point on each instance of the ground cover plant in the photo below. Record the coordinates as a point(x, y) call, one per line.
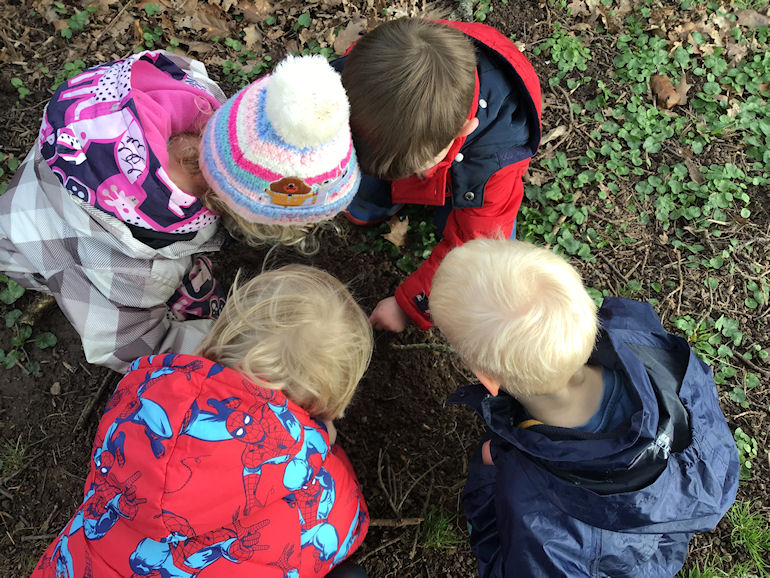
point(653, 177)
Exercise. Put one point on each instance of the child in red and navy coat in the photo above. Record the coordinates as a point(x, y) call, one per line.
point(224, 464)
point(445, 114)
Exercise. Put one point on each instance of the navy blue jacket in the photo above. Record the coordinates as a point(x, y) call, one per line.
point(561, 502)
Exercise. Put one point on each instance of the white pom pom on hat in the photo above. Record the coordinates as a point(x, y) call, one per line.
point(280, 150)
point(305, 101)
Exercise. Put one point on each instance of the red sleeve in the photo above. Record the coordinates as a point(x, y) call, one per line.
point(502, 199)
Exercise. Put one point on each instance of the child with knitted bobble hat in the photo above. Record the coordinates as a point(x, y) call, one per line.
point(224, 463)
point(606, 449)
point(138, 164)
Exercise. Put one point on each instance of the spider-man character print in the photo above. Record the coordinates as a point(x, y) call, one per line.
point(144, 411)
point(183, 553)
point(105, 503)
point(271, 434)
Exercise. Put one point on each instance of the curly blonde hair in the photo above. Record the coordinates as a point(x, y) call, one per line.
point(514, 312)
point(301, 237)
point(299, 329)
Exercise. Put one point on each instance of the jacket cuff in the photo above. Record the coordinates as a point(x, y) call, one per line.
point(413, 301)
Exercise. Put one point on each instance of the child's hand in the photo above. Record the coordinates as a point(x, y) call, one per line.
point(486, 454)
point(389, 316)
point(331, 430)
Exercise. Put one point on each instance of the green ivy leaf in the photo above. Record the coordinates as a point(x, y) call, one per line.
point(45, 340)
point(11, 292)
point(303, 21)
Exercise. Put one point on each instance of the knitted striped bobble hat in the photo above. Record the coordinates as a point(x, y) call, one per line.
point(280, 150)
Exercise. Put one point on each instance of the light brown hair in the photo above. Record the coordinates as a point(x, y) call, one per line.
point(410, 83)
point(300, 330)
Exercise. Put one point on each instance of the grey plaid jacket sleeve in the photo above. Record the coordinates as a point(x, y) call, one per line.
point(111, 287)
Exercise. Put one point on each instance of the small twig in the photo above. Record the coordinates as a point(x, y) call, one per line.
point(92, 402)
point(436, 346)
point(378, 548)
point(413, 551)
point(395, 522)
point(110, 24)
point(612, 266)
point(751, 364)
point(745, 413)
point(38, 537)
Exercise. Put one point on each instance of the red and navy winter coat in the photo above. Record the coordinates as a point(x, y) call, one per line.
point(197, 471)
point(480, 179)
point(562, 502)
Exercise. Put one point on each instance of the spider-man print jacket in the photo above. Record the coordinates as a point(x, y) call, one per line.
point(197, 471)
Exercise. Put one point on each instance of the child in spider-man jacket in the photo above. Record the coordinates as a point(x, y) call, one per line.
point(225, 463)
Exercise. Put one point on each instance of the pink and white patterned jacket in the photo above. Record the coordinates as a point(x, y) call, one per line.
point(63, 233)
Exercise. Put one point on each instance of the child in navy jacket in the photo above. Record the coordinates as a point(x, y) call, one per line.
point(606, 448)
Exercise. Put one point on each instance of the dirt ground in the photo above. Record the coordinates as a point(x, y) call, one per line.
point(409, 449)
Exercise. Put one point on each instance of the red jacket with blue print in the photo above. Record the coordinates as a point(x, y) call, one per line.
point(481, 176)
point(197, 471)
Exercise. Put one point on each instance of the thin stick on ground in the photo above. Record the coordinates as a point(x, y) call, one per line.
point(109, 378)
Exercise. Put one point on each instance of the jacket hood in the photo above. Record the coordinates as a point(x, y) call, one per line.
point(631, 479)
point(194, 465)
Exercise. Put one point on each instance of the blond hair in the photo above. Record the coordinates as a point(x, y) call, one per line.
point(410, 84)
point(514, 312)
point(254, 234)
point(299, 329)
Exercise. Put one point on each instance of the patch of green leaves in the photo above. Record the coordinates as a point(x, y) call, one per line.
point(69, 70)
point(18, 84)
point(568, 52)
point(482, 9)
point(77, 21)
point(8, 163)
point(747, 451)
point(420, 241)
point(303, 21)
point(10, 292)
point(551, 215)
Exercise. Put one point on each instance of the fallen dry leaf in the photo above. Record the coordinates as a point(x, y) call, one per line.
point(577, 8)
point(535, 177)
point(398, 229)
point(349, 34)
point(255, 11)
point(681, 90)
point(252, 36)
point(664, 91)
point(208, 18)
point(752, 19)
point(736, 52)
point(734, 110)
point(694, 171)
point(553, 134)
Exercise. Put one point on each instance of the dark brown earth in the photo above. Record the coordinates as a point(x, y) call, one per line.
point(409, 449)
